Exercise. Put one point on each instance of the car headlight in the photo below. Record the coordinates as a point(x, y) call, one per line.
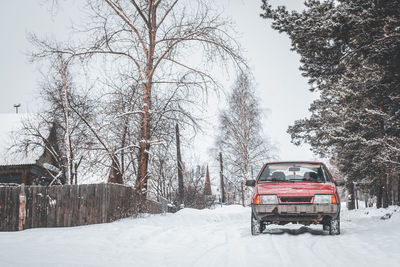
point(268, 199)
point(325, 199)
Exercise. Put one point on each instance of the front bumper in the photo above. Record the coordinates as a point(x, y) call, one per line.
point(303, 213)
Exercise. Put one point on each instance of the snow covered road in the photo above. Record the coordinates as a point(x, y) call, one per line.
point(219, 237)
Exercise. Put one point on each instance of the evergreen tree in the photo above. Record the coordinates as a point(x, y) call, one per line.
point(350, 51)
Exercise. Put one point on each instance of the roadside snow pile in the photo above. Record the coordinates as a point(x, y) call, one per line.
point(219, 215)
point(218, 237)
point(372, 213)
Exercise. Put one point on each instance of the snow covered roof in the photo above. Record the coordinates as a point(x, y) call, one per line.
point(10, 124)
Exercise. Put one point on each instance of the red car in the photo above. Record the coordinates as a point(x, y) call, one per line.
point(296, 192)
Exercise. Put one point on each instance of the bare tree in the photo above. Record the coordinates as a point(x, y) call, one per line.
point(155, 37)
point(162, 171)
point(55, 130)
point(240, 134)
point(62, 66)
point(109, 148)
point(121, 108)
point(194, 187)
point(62, 97)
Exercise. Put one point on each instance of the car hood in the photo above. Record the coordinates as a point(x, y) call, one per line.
point(296, 188)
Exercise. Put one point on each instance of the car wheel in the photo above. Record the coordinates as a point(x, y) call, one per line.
point(256, 226)
point(334, 226)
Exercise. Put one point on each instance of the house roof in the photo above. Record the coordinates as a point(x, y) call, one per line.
point(10, 126)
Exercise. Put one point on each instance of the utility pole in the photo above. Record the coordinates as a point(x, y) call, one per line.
point(16, 106)
point(180, 169)
point(221, 175)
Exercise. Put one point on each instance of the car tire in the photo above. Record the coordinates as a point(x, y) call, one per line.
point(256, 226)
point(334, 226)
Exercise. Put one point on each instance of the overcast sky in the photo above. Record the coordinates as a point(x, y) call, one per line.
point(282, 90)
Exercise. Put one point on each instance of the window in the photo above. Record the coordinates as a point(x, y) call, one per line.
point(294, 172)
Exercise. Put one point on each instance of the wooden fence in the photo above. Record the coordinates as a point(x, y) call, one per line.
point(68, 205)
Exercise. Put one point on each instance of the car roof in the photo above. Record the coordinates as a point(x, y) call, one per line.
point(296, 161)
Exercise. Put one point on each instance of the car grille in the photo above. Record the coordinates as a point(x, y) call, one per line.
point(288, 200)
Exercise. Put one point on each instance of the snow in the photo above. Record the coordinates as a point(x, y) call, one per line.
point(218, 237)
point(51, 167)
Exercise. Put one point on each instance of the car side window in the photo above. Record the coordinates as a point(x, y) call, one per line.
point(264, 175)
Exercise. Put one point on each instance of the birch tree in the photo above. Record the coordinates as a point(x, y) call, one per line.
point(240, 135)
point(69, 138)
point(62, 67)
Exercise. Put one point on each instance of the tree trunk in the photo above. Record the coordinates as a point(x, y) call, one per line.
point(180, 169)
point(76, 172)
point(390, 189)
point(144, 146)
point(356, 196)
point(366, 200)
point(123, 144)
point(379, 196)
point(243, 185)
point(115, 175)
point(351, 202)
point(398, 189)
point(63, 73)
point(385, 198)
point(221, 174)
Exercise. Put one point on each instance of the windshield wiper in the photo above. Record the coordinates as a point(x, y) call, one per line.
point(312, 180)
point(272, 180)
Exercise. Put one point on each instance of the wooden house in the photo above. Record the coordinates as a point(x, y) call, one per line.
point(36, 168)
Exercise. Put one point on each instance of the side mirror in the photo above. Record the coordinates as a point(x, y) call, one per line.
point(250, 182)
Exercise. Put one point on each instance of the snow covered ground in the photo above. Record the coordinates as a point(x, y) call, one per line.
point(219, 237)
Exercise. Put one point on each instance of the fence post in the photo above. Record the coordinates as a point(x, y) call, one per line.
point(22, 210)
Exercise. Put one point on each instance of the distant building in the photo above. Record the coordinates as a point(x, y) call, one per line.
point(35, 168)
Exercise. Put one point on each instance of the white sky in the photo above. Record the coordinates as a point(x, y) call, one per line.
point(282, 90)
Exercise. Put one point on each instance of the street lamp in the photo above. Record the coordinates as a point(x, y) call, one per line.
point(16, 106)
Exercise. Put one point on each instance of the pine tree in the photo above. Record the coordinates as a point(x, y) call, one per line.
point(350, 51)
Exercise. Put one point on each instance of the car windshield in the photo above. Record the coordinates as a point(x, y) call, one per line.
point(294, 172)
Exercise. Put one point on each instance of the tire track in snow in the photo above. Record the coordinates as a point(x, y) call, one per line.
point(224, 253)
point(199, 261)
